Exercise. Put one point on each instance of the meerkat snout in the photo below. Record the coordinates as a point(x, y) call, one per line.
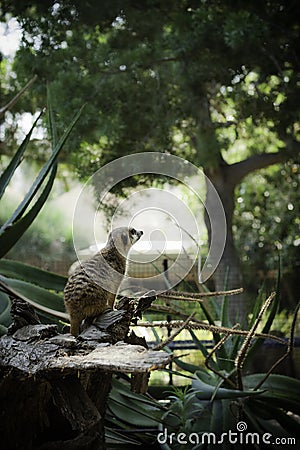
point(124, 238)
point(135, 235)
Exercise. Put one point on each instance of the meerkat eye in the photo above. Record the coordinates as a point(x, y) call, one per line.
point(124, 238)
point(132, 231)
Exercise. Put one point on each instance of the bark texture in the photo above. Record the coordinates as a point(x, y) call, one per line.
point(225, 178)
point(54, 388)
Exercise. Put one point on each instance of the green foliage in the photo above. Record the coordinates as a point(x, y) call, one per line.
point(264, 401)
point(211, 409)
point(213, 403)
point(47, 280)
point(20, 220)
point(266, 218)
point(47, 239)
point(15, 278)
point(159, 69)
point(132, 419)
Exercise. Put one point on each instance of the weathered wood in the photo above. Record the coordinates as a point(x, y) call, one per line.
point(75, 405)
point(121, 357)
point(98, 386)
point(139, 382)
point(24, 410)
point(54, 387)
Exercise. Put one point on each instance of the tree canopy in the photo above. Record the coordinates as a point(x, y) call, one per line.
point(192, 78)
point(215, 82)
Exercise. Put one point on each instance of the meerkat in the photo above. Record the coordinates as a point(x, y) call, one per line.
point(92, 287)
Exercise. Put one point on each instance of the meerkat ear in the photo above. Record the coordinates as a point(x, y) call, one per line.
point(124, 239)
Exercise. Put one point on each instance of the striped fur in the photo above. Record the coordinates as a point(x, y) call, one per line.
point(84, 294)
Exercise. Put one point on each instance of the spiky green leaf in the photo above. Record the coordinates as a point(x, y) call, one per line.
point(8, 173)
point(18, 213)
point(37, 296)
point(25, 272)
point(14, 231)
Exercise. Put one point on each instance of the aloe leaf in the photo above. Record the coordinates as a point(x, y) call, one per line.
point(272, 313)
point(5, 318)
point(224, 307)
point(224, 313)
point(216, 419)
point(128, 407)
point(153, 330)
point(134, 414)
point(257, 306)
point(207, 392)
point(199, 344)
point(3, 330)
point(124, 390)
point(138, 403)
point(203, 349)
point(222, 351)
point(186, 366)
point(25, 272)
point(16, 160)
point(42, 175)
point(37, 296)
point(16, 98)
point(267, 411)
point(51, 120)
point(113, 437)
point(287, 404)
point(13, 233)
point(235, 343)
point(277, 386)
point(259, 341)
point(207, 377)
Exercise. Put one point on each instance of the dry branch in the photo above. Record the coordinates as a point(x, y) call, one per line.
point(290, 348)
point(196, 297)
point(162, 344)
point(239, 361)
point(200, 325)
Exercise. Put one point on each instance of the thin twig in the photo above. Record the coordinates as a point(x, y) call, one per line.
point(166, 309)
point(199, 325)
point(239, 361)
point(290, 348)
point(209, 356)
point(196, 297)
point(171, 338)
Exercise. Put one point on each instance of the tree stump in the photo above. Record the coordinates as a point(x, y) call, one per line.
point(54, 388)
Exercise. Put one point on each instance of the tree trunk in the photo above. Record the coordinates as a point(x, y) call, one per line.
point(225, 178)
point(54, 388)
point(228, 274)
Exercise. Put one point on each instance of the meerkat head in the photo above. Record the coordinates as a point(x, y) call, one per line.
point(123, 238)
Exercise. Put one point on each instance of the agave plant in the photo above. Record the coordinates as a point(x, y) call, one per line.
point(229, 407)
point(224, 406)
point(36, 285)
